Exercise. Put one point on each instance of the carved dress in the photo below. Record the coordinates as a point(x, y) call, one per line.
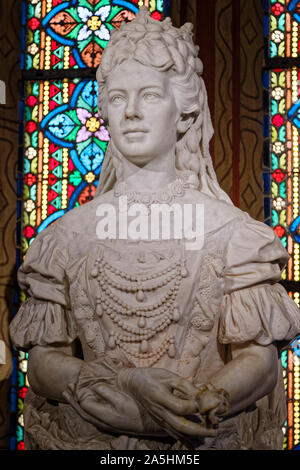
point(160, 305)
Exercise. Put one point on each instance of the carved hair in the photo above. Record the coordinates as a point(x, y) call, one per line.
point(168, 49)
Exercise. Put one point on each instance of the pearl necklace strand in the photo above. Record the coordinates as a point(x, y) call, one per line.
point(165, 310)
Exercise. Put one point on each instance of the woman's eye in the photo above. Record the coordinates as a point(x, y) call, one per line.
point(117, 99)
point(151, 96)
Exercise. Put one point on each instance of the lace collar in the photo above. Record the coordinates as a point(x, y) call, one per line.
point(166, 195)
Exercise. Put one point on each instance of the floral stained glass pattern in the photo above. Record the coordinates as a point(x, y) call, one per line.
point(282, 132)
point(282, 25)
point(65, 143)
point(73, 34)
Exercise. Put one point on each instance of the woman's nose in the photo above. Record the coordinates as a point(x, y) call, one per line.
point(132, 109)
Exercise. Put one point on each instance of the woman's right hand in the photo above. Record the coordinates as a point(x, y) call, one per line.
point(167, 398)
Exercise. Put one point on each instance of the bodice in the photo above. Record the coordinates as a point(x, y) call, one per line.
point(145, 299)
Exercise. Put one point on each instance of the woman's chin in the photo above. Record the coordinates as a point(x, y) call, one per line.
point(139, 160)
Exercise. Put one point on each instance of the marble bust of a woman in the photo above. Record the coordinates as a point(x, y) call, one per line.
point(141, 343)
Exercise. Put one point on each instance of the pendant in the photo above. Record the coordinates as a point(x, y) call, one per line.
point(144, 346)
point(99, 310)
point(140, 296)
point(172, 351)
point(141, 322)
point(112, 341)
point(176, 315)
point(184, 272)
point(94, 272)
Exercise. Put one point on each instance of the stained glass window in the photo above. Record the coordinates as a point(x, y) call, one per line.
point(63, 139)
point(60, 35)
point(282, 203)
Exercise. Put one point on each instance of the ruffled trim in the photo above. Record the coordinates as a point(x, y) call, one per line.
point(262, 314)
point(41, 323)
point(43, 273)
point(254, 255)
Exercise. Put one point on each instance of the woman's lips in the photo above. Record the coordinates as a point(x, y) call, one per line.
point(135, 131)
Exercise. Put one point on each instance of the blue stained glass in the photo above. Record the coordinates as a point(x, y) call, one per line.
point(274, 107)
point(267, 182)
point(273, 49)
point(92, 157)
point(282, 134)
point(126, 5)
point(294, 114)
point(90, 94)
point(266, 25)
point(282, 190)
point(274, 161)
point(12, 443)
point(61, 126)
point(284, 359)
point(75, 195)
point(266, 126)
point(294, 9)
point(275, 218)
point(296, 346)
point(281, 22)
point(50, 219)
point(266, 79)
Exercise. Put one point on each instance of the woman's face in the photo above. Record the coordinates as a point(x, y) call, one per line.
point(142, 113)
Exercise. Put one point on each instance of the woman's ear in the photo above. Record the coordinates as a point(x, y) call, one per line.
point(184, 122)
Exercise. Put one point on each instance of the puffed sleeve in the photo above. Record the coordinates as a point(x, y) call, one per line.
point(255, 307)
point(44, 319)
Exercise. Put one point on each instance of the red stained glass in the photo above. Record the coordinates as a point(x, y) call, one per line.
point(278, 176)
point(52, 179)
point(277, 9)
point(33, 23)
point(31, 126)
point(51, 210)
point(156, 15)
point(279, 231)
point(28, 231)
point(52, 162)
point(31, 100)
point(52, 195)
point(70, 190)
point(30, 179)
point(21, 445)
point(22, 392)
point(278, 120)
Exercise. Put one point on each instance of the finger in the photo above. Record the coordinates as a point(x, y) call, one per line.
point(213, 418)
point(96, 409)
point(179, 383)
point(121, 403)
point(187, 388)
point(105, 393)
point(175, 404)
point(207, 401)
point(186, 427)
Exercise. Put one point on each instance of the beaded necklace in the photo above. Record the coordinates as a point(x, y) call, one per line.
point(161, 313)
